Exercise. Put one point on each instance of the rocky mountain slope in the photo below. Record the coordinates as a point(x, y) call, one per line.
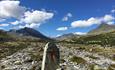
point(4, 36)
point(103, 28)
point(105, 36)
point(28, 32)
point(104, 39)
point(67, 36)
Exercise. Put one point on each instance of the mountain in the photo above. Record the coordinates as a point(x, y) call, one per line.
point(103, 28)
point(4, 36)
point(67, 36)
point(103, 39)
point(28, 32)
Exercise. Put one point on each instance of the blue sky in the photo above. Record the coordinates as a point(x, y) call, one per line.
point(56, 17)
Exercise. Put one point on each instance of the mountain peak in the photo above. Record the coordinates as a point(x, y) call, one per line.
point(28, 32)
point(102, 28)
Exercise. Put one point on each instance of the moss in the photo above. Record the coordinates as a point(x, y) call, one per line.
point(78, 60)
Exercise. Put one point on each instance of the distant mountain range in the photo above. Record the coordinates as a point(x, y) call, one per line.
point(103, 35)
point(67, 36)
point(103, 28)
point(28, 32)
point(24, 33)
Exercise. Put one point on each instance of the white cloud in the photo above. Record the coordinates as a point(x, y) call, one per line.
point(58, 35)
point(9, 9)
point(2, 20)
point(85, 23)
point(69, 14)
point(66, 17)
point(8, 0)
point(80, 33)
point(108, 19)
point(110, 23)
point(15, 23)
point(37, 16)
point(31, 18)
point(62, 28)
point(4, 25)
point(113, 11)
point(33, 25)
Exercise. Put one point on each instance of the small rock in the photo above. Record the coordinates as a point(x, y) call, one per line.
point(17, 63)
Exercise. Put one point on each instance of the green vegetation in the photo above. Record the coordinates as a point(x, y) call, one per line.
point(78, 60)
point(104, 39)
point(8, 48)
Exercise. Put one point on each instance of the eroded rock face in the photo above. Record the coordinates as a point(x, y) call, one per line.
point(51, 57)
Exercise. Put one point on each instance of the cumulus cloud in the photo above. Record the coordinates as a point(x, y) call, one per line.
point(4, 25)
point(113, 11)
point(36, 16)
point(66, 17)
point(30, 18)
point(15, 22)
point(85, 23)
point(80, 33)
point(11, 9)
point(62, 28)
point(33, 25)
point(108, 19)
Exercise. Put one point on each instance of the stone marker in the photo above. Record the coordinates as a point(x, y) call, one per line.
point(51, 57)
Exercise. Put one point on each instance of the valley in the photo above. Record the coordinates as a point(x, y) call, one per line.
point(87, 52)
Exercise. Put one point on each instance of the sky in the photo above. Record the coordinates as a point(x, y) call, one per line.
point(56, 17)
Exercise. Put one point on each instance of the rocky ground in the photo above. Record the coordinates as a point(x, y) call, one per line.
point(73, 57)
point(27, 59)
point(77, 58)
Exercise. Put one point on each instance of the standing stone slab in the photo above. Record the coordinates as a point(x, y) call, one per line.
point(51, 57)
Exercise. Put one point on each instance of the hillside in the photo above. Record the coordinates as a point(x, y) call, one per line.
point(67, 36)
point(101, 39)
point(103, 28)
point(28, 32)
point(4, 36)
point(92, 52)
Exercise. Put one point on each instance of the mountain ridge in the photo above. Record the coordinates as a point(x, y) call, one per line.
point(25, 33)
point(103, 28)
